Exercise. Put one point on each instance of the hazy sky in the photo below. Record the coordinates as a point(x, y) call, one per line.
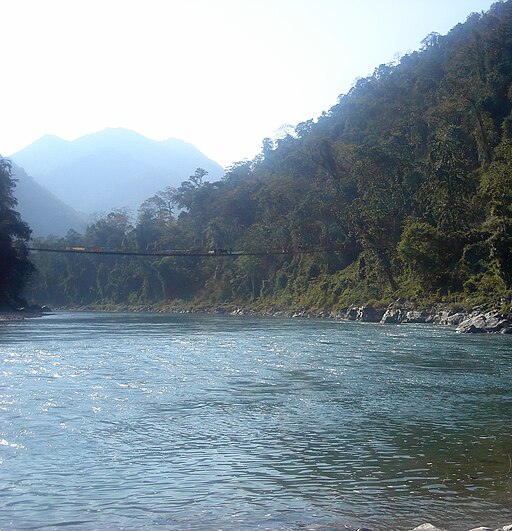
point(221, 74)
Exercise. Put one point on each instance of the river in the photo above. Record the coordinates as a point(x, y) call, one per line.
point(161, 421)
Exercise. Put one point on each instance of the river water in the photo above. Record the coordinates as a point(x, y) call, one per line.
point(158, 421)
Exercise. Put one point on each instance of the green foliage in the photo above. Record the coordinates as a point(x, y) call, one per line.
point(496, 187)
point(15, 268)
point(426, 252)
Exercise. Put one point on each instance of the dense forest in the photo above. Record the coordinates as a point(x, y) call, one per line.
point(403, 189)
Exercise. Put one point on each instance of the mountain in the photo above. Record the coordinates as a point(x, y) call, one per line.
point(113, 168)
point(43, 211)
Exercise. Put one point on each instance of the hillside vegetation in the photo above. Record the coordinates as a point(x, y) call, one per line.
point(405, 183)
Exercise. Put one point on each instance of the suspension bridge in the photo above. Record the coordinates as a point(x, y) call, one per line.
point(214, 253)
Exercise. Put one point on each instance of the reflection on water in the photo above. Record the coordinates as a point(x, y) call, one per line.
point(161, 421)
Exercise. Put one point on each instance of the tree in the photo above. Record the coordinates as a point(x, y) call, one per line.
point(15, 268)
point(113, 230)
point(425, 251)
point(496, 187)
point(155, 217)
point(382, 203)
point(185, 194)
point(449, 187)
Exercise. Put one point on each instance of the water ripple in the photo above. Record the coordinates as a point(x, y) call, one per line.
point(161, 421)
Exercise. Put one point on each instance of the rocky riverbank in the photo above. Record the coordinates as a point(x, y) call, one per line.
point(422, 527)
point(426, 527)
point(430, 527)
point(479, 319)
point(18, 314)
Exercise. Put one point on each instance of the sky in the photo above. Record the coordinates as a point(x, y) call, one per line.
point(220, 74)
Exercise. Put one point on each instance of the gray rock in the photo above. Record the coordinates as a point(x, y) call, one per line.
point(490, 322)
point(416, 317)
point(351, 314)
point(441, 317)
point(392, 316)
point(457, 318)
point(506, 528)
point(450, 318)
point(482, 529)
point(369, 314)
point(427, 527)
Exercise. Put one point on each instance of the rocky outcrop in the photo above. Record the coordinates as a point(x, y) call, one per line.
point(430, 527)
point(369, 314)
point(449, 317)
point(351, 314)
point(392, 316)
point(395, 315)
point(412, 316)
point(481, 323)
point(366, 314)
point(479, 320)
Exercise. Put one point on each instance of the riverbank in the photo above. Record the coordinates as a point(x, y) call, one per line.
point(10, 316)
point(423, 527)
point(490, 318)
point(430, 527)
point(21, 314)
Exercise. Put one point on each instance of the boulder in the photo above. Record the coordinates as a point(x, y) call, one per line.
point(351, 314)
point(481, 323)
point(392, 316)
point(450, 318)
point(456, 318)
point(369, 314)
point(413, 316)
point(427, 527)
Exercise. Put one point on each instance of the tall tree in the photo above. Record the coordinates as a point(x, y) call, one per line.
point(15, 267)
point(496, 186)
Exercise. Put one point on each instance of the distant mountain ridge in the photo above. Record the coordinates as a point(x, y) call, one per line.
point(110, 169)
point(43, 211)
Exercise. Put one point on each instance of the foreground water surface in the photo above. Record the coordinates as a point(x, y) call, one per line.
point(209, 422)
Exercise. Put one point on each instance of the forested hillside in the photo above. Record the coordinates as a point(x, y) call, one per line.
point(405, 185)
